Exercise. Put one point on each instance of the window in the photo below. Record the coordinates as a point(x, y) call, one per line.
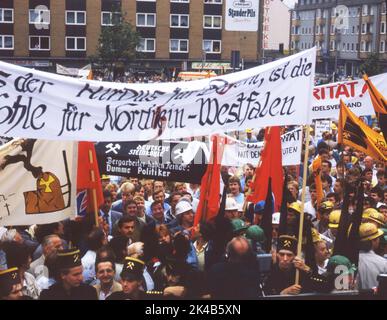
point(212, 22)
point(110, 18)
point(363, 28)
point(333, 29)
point(214, 1)
point(332, 45)
point(382, 46)
point(357, 29)
point(178, 45)
point(146, 45)
point(353, 47)
point(292, 45)
point(364, 11)
point(343, 46)
point(75, 44)
point(357, 46)
point(212, 46)
point(6, 15)
point(6, 42)
point(39, 43)
point(145, 19)
point(179, 20)
point(39, 16)
point(317, 29)
point(362, 46)
point(353, 29)
point(348, 46)
point(76, 17)
point(383, 27)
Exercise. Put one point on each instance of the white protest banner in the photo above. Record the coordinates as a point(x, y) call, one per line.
point(320, 127)
point(326, 98)
point(38, 181)
point(238, 153)
point(36, 104)
point(241, 15)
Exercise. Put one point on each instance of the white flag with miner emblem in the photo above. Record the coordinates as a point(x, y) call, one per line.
point(38, 181)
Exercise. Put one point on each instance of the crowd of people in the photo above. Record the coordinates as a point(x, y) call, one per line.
point(144, 244)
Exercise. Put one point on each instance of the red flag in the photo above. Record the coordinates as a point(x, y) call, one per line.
point(88, 176)
point(210, 186)
point(269, 166)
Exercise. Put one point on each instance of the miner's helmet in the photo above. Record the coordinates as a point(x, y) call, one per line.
point(295, 206)
point(369, 231)
point(334, 219)
point(238, 226)
point(255, 233)
point(374, 215)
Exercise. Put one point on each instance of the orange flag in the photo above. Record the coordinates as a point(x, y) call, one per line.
point(269, 166)
point(209, 202)
point(88, 177)
point(355, 133)
point(316, 169)
point(379, 103)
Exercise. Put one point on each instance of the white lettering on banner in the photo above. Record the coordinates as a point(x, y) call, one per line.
point(326, 98)
point(36, 104)
point(238, 153)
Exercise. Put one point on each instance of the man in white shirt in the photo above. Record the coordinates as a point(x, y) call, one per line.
point(105, 272)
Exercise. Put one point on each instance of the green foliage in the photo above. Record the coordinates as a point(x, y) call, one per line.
point(371, 65)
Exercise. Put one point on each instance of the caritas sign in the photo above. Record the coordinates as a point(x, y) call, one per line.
point(241, 15)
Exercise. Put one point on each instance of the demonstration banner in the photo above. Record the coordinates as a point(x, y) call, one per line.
point(36, 104)
point(326, 98)
point(237, 153)
point(37, 181)
point(160, 160)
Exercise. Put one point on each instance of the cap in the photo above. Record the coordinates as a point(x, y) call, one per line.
point(373, 215)
point(295, 206)
point(183, 206)
point(368, 231)
point(275, 219)
point(231, 204)
point(315, 235)
point(8, 278)
point(286, 242)
point(133, 269)
point(68, 258)
point(238, 225)
point(255, 233)
point(326, 205)
point(334, 219)
point(338, 260)
point(259, 206)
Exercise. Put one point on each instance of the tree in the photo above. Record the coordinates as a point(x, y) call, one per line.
point(117, 44)
point(371, 65)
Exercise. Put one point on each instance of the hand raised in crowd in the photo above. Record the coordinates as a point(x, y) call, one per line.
point(300, 264)
point(294, 289)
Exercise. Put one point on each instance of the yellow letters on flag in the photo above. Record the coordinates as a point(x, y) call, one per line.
point(355, 133)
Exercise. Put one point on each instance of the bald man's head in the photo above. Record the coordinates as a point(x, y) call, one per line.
point(239, 250)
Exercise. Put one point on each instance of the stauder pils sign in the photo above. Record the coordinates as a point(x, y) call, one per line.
point(242, 15)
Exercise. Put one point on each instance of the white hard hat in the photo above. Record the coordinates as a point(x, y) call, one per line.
point(182, 206)
point(276, 218)
point(231, 204)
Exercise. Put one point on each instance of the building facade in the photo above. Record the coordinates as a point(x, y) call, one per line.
point(174, 33)
point(344, 32)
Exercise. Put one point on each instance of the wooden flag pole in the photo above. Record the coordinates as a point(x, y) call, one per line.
point(304, 178)
point(94, 192)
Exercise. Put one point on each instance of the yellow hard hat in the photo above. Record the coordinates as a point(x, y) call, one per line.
point(249, 130)
point(105, 177)
point(295, 206)
point(315, 235)
point(334, 219)
point(374, 215)
point(326, 205)
point(333, 126)
point(368, 231)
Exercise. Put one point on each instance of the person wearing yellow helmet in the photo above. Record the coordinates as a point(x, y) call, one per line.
point(324, 211)
point(374, 216)
point(333, 225)
point(370, 264)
